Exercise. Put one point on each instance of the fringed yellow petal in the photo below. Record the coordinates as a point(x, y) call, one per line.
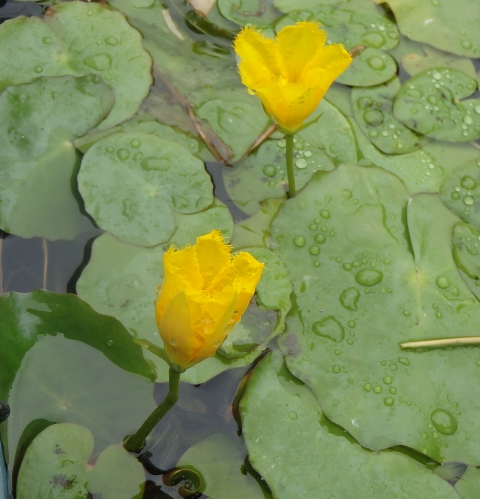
point(259, 58)
point(292, 87)
point(334, 59)
point(297, 45)
point(212, 255)
point(172, 324)
point(289, 104)
point(195, 317)
point(249, 271)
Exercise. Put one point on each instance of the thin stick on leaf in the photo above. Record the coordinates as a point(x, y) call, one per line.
point(446, 342)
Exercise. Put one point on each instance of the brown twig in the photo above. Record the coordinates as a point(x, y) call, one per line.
point(261, 139)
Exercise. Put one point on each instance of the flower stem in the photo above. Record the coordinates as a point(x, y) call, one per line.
point(289, 158)
point(447, 342)
point(136, 442)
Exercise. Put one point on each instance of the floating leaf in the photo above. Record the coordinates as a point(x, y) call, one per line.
point(442, 23)
point(57, 464)
point(220, 458)
point(429, 103)
point(262, 175)
point(191, 74)
point(37, 158)
point(354, 27)
point(67, 381)
point(460, 192)
point(259, 12)
point(373, 110)
point(289, 5)
point(426, 57)
point(25, 318)
point(132, 183)
point(372, 274)
point(469, 483)
point(289, 433)
point(59, 46)
point(234, 119)
point(423, 170)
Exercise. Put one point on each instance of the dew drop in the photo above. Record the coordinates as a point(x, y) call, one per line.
point(138, 156)
point(110, 149)
point(135, 143)
point(293, 415)
point(392, 390)
point(111, 40)
point(442, 282)
point(373, 117)
point(329, 328)
point(378, 389)
point(319, 238)
point(269, 170)
point(368, 277)
point(349, 298)
point(109, 343)
point(468, 200)
point(466, 44)
point(468, 119)
point(314, 250)
point(387, 380)
point(376, 63)
point(38, 69)
point(160, 164)
point(301, 163)
point(299, 241)
point(468, 182)
point(444, 422)
point(325, 214)
point(123, 154)
point(336, 369)
point(47, 40)
point(373, 39)
point(367, 387)
point(388, 401)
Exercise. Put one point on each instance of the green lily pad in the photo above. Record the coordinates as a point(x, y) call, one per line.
point(292, 425)
point(289, 5)
point(262, 175)
point(132, 184)
point(441, 23)
point(57, 465)
point(429, 103)
point(24, 318)
point(465, 248)
point(373, 110)
point(37, 158)
point(384, 274)
point(469, 484)
point(144, 123)
point(59, 46)
point(189, 75)
point(460, 192)
point(67, 381)
point(234, 119)
point(243, 12)
point(219, 458)
point(425, 57)
point(354, 27)
point(423, 170)
point(254, 231)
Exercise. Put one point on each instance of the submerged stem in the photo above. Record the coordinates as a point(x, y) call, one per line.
point(136, 442)
point(289, 158)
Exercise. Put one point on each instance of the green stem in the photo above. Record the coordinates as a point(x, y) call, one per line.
point(289, 157)
point(136, 442)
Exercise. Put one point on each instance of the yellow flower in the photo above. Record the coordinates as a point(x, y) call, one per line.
point(292, 73)
point(204, 294)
